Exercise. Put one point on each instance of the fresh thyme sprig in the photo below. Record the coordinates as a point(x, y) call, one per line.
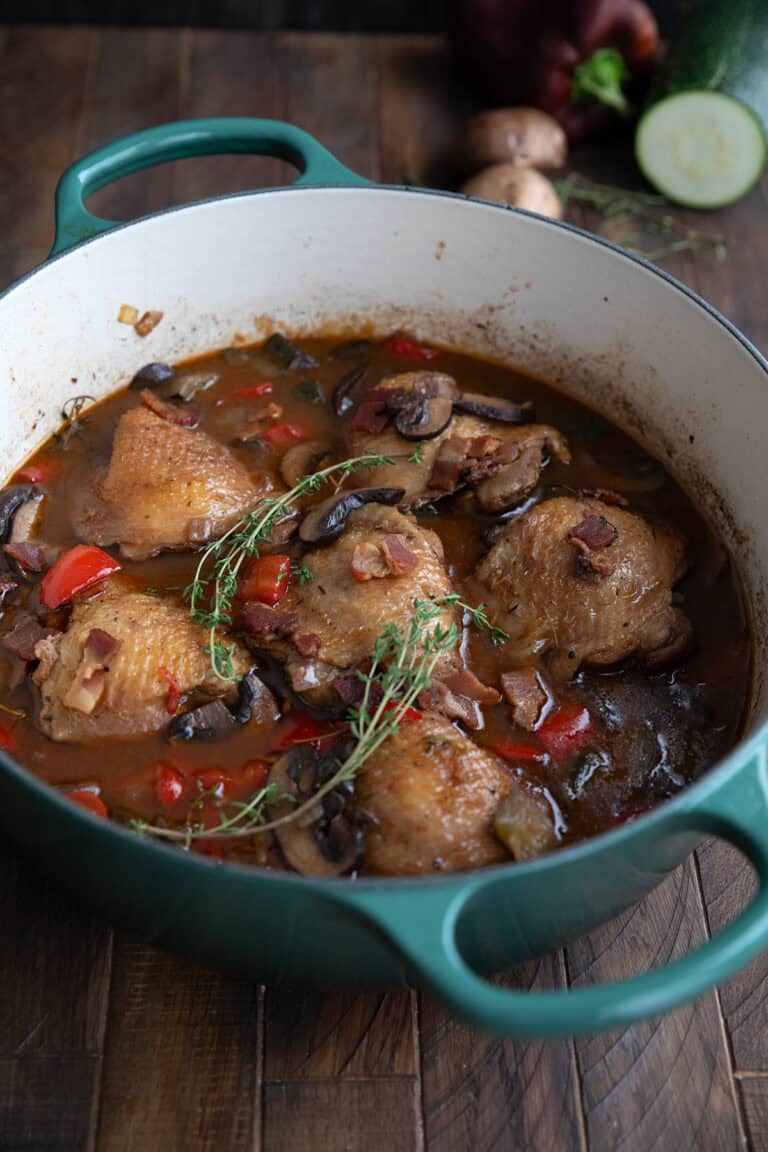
point(402, 665)
point(479, 618)
point(616, 204)
point(72, 415)
point(220, 563)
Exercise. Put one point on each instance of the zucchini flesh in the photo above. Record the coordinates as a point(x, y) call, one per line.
point(709, 148)
point(701, 148)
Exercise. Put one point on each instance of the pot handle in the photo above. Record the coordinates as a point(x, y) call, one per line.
point(737, 812)
point(177, 141)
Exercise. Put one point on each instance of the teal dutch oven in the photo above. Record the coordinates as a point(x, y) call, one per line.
point(329, 252)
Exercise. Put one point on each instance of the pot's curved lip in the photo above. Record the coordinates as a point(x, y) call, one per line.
point(681, 805)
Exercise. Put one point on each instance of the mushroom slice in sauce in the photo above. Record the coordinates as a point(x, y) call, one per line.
point(328, 519)
point(325, 842)
point(495, 408)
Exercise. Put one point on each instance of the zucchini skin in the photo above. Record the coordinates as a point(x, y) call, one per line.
point(723, 47)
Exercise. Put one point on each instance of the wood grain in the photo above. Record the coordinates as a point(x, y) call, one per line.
point(466, 1075)
point(664, 1084)
point(753, 1091)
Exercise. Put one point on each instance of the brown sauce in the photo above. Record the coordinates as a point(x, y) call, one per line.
point(658, 731)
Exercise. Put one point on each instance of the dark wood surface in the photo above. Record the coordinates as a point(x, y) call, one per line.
point(107, 1046)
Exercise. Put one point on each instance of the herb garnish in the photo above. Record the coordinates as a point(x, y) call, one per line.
point(73, 419)
point(644, 224)
point(479, 618)
point(225, 556)
point(302, 573)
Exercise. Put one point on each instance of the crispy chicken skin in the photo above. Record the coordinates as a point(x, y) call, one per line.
point(432, 793)
point(588, 581)
point(126, 693)
point(165, 487)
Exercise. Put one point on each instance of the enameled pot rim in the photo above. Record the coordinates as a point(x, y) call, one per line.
point(683, 804)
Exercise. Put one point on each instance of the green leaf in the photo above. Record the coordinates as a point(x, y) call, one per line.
point(600, 77)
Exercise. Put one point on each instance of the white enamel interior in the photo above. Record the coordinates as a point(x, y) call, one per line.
point(489, 281)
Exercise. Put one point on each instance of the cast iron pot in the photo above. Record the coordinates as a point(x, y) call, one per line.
point(329, 251)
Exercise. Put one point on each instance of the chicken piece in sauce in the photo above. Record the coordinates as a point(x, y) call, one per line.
point(588, 581)
point(122, 667)
point(165, 487)
point(366, 579)
point(433, 795)
point(500, 461)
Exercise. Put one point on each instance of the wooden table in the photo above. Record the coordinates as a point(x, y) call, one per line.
point(110, 1046)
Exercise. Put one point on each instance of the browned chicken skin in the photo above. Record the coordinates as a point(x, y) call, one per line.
point(589, 581)
point(165, 487)
point(433, 794)
point(124, 693)
point(344, 614)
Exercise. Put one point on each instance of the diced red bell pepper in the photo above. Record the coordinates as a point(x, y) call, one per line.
point(78, 569)
point(170, 785)
point(251, 392)
point(7, 739)
point(408, 349)
point(88, 800)
point(36, 473)
point(567, 731)
point(408, 716)
point(519, 751)
point(265, 579)
point(174, 692)
point(280, 437)
point(301, 728)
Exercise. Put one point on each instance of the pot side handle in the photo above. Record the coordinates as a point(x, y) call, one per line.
point(738, 812)
point(177, 141)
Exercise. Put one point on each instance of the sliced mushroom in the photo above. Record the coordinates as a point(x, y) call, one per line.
point(328, 519)
point(19, 505)
point(254, 702)
point(495, 408)
point(152, 376)
point(423, 417)
point(342, 396)
point(524, 824)
point(324, 842)
point(291, 356)
point(302, 459)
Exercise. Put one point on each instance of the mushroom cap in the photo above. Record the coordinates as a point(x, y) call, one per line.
point(526, 137)
point(521, 187)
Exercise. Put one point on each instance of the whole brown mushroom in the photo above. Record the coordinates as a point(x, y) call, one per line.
point(521, 187)
point(525, 137)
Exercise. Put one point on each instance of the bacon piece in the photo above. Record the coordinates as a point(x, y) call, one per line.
point(47, 653)
point(526, 695)
point(397, 556)
point(24, 635)
point(7, 585)
point(265, 622)
point(368, 562)
point(146, 323)
point(89, 681)
point(371, 416)
point(594, 531)
point(306, 643)
point(186, 417)
point(31, 557)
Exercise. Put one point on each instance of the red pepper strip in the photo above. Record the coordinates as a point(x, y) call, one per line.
point(567, 731)
point(7, 739)
point(301, 728)
point(519, 752)
point(75, 571)
point(408, 349)
point(408, 716)
point(265, 579)
point(36, 473)
point(88, 800)
point(174, 692)
point(282, 436)
point(251, 392)
point(170, 785)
